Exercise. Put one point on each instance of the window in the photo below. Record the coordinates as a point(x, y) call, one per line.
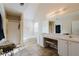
point(36, 27)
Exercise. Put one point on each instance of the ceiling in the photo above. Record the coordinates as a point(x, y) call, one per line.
point(52, 7)
point(44, 8)
point(14, 8)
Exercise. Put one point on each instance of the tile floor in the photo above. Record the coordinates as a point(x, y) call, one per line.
point(33, 49)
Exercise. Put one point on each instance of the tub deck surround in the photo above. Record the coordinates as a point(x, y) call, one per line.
point(74, 38)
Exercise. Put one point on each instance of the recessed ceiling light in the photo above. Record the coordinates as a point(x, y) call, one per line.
point(21, 4)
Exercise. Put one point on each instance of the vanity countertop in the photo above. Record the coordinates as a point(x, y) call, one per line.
point(74, 38)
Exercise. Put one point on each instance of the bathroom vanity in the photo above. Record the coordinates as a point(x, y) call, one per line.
point(68, 45)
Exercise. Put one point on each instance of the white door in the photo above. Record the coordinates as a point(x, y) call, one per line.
point(13, 32)
point(62, 47)
point(73, 49)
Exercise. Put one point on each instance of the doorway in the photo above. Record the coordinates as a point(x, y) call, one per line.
point(51, 27)
point(14, 29)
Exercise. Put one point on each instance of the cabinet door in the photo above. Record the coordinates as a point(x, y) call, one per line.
point(40, 40)
point(62, 47)
point(73, 49)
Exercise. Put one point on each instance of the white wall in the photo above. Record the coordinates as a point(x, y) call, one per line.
point(28, 17)
point(43, 22)
point(45, 26)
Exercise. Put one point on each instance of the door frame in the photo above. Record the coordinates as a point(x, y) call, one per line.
point(21, 30)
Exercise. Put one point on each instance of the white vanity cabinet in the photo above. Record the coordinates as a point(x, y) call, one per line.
point(73, 48)
point(67, 46)
point(62, 47)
